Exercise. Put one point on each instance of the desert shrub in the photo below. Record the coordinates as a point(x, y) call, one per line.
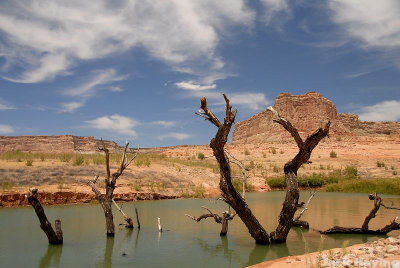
point(238, 185)
point(273, 150)
point(380, 164)
point(394, 172)
point(65, 157)
point(321, 167)
point(79, 160)
point(311, 181)
point(278, 182)
point(333, 154)
point(42, 158)
point(29, 162)
point(200, 156)
point(338, 138)
point(7, 185)
point(380, 186)
point(196, 192)
point(246, 152)
point(351, 171)
point(281, 152)
point(60, 183)
point(264, 155)
point(275, 169)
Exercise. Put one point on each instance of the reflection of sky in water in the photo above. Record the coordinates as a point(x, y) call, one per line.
point(183, 242)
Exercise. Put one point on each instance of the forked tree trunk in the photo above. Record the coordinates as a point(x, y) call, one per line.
point(291, 203)
point(54, 237)
point(110, 182)
point(233, 198)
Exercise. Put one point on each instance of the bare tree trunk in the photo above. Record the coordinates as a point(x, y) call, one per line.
point(394, 225)
point(129, 221)
point(224, 228)
point(110, 182)
point(290, 205)
point(299, 223)
point(54, 237)
point(137, 218)
point(233, 198)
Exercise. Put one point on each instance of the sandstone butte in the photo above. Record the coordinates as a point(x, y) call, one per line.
point(306, 112)
point(54, 144)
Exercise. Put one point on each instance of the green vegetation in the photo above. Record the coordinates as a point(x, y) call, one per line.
point(7, 185)
point(246, 152)
point(238, 184)
point(333, 154)
point(200, 156)
point(338, 138)
point(380, 186)
point(60, 183)
point(380, 164)
point(273, 150)
point(29, 162)
point(79, 160)
point(196, 192)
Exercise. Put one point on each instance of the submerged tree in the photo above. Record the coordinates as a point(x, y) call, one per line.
point(234, 199)
point(110, 182)
point(394, 225)
point(54, 236)
point(224, 219)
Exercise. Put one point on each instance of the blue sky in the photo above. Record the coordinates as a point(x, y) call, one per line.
point(136, 69)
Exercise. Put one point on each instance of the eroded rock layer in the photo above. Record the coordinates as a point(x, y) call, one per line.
point(56, 144)
point(306, 112)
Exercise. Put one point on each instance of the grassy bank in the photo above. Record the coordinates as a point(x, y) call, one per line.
point(346, 180)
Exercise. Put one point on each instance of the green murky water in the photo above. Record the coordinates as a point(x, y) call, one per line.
point(183, 243)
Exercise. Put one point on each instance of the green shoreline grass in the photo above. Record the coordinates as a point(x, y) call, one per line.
point(342, 181)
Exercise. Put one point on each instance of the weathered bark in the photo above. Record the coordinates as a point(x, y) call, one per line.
point(231, 196)
point(223, 220)
point(137, 217)
point(290, 205)
point(299, 223)
point(128, 220)
point(394, 225)
point(54, 237)
point(110, 182)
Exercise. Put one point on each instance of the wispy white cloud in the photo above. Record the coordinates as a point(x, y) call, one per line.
point(276, 12)
point(5, 106)
point(164, 123)
point(48, 37)
point(70, 107)
point(115, 124)
point(190, 85)
point(98, 80)
point(6, 129)
point(174, 135)
point(373, 23)
point(382, 111)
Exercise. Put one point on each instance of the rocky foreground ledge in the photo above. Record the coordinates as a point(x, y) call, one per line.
point(380, 253)
point(61, 198)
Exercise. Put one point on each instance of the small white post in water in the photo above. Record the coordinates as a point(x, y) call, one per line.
point(159, 225)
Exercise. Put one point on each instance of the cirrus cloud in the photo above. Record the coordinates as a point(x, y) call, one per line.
point(47, 38)
point(174, 135)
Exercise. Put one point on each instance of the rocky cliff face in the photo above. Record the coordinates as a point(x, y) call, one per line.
point(56, 144)
point(306, 112)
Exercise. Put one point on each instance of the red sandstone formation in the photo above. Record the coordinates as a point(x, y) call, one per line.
point(56, 144)
point(306, 113)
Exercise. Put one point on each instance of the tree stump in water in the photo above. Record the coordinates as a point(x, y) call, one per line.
point(54, 237)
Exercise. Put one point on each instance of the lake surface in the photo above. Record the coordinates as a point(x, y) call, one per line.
point(183, 242)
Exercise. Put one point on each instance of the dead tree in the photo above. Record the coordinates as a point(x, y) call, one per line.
point(394, 225)
point(290, 205)
point(128, 220)
point(110, 182)
point(233, 198)
point(299, 223)
point(240, 164)
point(229, 194)
point(54, 237)
point(224, 219)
